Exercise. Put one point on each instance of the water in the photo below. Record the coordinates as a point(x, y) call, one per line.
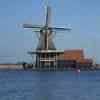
point(69, 85)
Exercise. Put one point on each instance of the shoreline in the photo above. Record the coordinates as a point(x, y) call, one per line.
point(21, 67)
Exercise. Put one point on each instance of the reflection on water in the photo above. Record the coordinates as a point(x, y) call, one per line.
point(30, 85)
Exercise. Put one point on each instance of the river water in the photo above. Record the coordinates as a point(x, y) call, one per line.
point(31, 85)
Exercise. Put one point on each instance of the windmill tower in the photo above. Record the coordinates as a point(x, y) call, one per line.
point(46, 53)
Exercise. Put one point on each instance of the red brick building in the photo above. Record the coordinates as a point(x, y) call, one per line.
point(75, 54)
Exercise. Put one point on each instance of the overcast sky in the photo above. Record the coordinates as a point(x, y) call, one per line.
point(82, 15)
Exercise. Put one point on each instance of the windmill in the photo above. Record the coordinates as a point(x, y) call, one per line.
point(46, 51)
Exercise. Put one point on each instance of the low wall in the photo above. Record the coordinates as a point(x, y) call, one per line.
point(11, 66)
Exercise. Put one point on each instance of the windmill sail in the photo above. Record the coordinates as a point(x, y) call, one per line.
point(48, 16)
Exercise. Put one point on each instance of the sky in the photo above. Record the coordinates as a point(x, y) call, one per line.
point(82, 15)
